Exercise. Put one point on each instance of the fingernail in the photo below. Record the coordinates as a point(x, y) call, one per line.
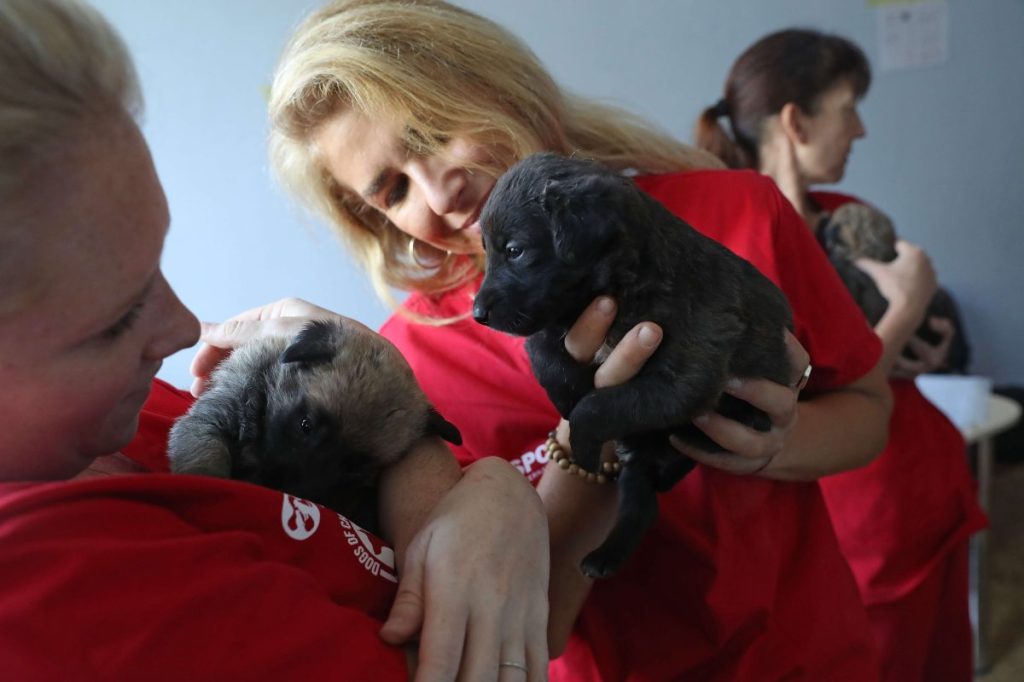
point(734, 383)
point(702, 418)
point(606, 306)
point(648, 336)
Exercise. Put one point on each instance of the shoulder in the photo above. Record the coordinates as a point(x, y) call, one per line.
point(716, 182)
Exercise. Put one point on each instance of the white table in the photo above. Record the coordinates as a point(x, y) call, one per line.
point(1002, 414)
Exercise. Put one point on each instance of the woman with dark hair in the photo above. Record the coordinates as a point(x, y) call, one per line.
point(903, 522)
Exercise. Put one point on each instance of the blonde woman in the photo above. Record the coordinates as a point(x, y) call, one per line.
point(392, 119)
point(127, 573)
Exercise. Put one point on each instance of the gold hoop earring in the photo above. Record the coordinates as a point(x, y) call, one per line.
point(415, 257)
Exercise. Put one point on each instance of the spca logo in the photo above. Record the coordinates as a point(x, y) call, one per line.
point(531, 463)
point(299, 518)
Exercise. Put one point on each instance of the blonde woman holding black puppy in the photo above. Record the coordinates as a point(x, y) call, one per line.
point(126, 573)
point(903, 522)
point(392, 119)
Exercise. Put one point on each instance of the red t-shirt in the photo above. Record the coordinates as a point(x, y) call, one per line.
point(163, 577)
point(741, 578)
point(899, 517)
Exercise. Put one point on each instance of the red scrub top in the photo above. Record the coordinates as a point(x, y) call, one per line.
point(901, 516)
point(741, 578)
point(164, 577)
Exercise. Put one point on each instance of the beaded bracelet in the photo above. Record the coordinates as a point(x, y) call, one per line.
point(609, 470)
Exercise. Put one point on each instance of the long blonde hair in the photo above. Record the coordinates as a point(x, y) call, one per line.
point(441, 71)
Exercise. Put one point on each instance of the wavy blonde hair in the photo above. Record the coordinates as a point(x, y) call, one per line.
point(440, 71)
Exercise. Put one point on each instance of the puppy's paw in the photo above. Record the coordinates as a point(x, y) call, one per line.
point(602, 562)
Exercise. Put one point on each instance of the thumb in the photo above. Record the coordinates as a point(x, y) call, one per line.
point(868, 266)
point(406, 616)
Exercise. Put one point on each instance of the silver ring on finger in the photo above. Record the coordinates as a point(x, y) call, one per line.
point(514, 664)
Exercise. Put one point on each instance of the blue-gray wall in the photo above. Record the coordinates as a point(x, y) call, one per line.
point(944, 154)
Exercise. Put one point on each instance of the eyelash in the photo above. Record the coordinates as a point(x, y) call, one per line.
point(124, 324)
point(397, 191)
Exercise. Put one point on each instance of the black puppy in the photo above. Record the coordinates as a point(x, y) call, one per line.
point(317, 418)
point(559, 232)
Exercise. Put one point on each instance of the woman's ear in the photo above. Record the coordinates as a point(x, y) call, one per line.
point(793, 122)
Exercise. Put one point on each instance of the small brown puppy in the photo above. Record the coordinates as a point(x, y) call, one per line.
point(317, 417)
point(560, 232)
point(856, 230)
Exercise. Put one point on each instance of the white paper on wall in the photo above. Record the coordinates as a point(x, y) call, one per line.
point(912, 34)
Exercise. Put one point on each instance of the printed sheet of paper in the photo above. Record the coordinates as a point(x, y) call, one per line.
point(912, 34)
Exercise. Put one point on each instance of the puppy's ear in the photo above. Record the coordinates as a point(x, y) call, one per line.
point(440, 426)
point(314, 344)
point(585, 213)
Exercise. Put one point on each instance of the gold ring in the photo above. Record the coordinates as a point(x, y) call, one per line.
point(804, 378)
point(513, 664)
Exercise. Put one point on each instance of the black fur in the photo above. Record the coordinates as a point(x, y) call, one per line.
point(559, 232)
point(317, 418)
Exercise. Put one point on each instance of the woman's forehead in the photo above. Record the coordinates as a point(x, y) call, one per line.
point(92, 227)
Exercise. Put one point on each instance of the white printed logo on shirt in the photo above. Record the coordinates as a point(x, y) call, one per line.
point(300, 518)
point(375, 557)
point(531, 463)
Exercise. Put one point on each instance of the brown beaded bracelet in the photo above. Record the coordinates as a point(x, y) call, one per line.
point(609, 470)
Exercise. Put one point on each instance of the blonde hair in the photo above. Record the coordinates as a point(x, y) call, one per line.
point(439, 71)
point(61, 66)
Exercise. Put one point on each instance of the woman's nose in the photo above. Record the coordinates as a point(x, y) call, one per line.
point(440, 182)
point(179, 328)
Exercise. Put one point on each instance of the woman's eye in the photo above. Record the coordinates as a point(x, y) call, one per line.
point(513, 251)
point(397, 191)
point(124, 324)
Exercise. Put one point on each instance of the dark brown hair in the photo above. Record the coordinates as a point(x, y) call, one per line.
point(794, 65)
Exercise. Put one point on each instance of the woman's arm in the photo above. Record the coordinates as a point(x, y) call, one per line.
point(908, 284)
point(831, 432)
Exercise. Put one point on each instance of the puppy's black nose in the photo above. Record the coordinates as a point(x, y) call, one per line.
point(480, 313)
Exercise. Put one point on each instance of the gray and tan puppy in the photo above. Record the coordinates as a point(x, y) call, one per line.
point(559, 232)
point(856, 230)
point(317, 417)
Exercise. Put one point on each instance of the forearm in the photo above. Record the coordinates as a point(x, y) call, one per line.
point(410, 488)
point(580, 516)
point(897, 326)
point(836, 431)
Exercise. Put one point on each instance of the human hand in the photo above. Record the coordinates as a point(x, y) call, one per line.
point(476, 578)
point(285, 317)
point(930, 357)
point(907, 281)
point(749, 451)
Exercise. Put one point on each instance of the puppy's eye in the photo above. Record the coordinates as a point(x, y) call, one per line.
point(306, 425)
point(513, 251)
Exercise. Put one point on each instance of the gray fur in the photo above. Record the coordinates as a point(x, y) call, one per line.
point(317, 417)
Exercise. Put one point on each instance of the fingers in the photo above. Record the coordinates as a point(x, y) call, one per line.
point(943, 326)
point(906, 368)
point(798, 357)
point(406, 616)
point(587, 335)
point(629, 356)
